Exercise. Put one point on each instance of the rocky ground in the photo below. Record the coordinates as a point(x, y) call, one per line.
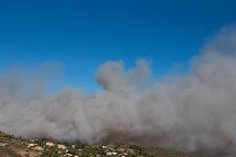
point(18, 147)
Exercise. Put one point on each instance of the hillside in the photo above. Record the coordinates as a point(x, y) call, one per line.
point(11, 146)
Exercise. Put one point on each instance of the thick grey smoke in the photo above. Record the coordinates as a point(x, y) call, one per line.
point(196, 112)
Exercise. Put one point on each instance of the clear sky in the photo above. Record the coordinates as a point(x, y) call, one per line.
point(81, 35)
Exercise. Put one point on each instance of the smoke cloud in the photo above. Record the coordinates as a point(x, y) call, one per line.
point(193, 113)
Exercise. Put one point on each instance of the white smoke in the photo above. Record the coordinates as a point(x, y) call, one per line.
point(196, 112)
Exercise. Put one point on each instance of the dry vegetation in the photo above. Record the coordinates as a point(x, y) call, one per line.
point(18, 147)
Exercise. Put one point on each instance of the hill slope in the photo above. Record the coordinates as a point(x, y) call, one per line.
point(11, 146)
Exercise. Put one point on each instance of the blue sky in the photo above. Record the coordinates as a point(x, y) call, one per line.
point(81, 35)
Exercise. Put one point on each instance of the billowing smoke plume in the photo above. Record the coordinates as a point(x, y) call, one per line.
point(192, 113)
